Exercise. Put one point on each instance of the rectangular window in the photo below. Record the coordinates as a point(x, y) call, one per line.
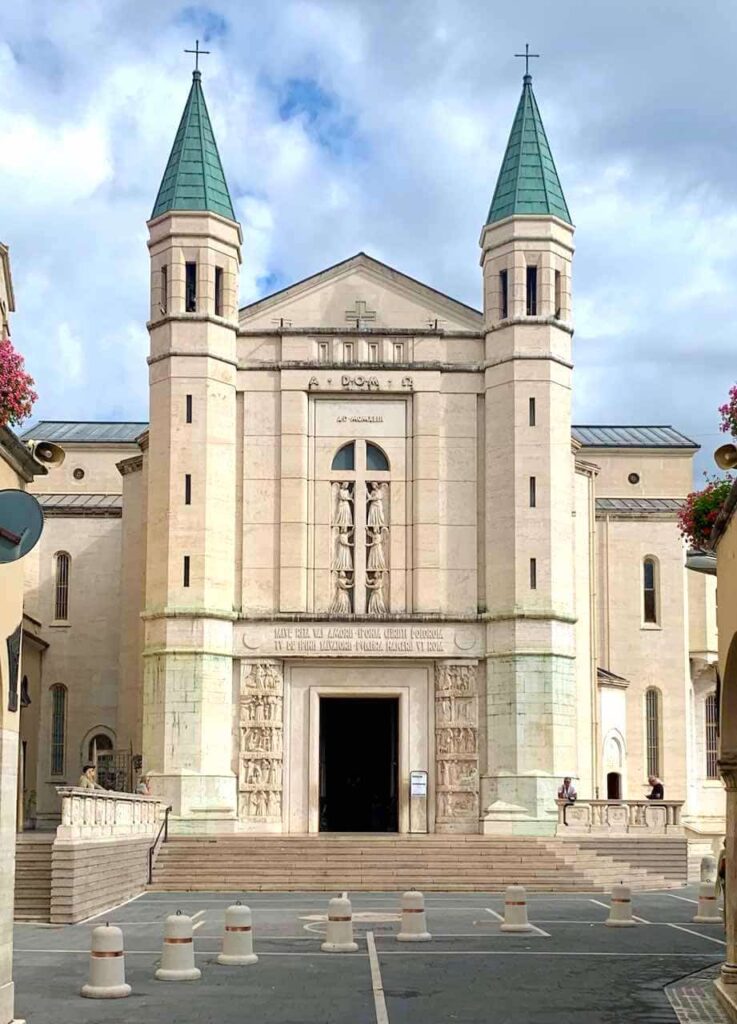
point(348, 352)
point(712, 736)
point(532, 291)
point(533, 574)
point(218, 291)
point(558, 295)
point(190, 288)
point(189, 409)
point(503, 294)
point(323, 352)
point(650, 610)
point(185, 579)
point(532, 410)
point(373, 352)
point(652, 730)
point(58, 728)
point(164, 289)
point(187, 488)
point(399, 352)
point(533, 492)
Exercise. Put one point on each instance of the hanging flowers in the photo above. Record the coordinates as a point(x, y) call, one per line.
point(16, 386)
point(700, 510)
point(728, 412)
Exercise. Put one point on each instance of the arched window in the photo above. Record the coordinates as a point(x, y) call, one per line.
point(649, 590)
point(712, 736)
point(652, 730)
point(61, 586)
point(345, 457)
point(375, 458)
point(58, 727)
point(100, 754)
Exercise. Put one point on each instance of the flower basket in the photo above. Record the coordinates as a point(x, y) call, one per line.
point(700, 510)
point(16, 386)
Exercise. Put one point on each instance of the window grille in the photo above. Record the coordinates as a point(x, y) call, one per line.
point(61, 594)
point(712, 736)
point(58, 728)
point(652, 726)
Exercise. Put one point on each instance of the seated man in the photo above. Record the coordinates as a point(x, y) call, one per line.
point(568, 793)
point(87, 779)
point(657, 792)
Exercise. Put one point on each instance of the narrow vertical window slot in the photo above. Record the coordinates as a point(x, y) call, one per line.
point(373, 352)
point(532, 291)
point(185, 575)
point(189, 409)
point(187, 488)
point(190, 287)
point(532, 413)
point(348, 352)
point(164, 303)
point(533, 574)
point(558, 294)
point(322, 352)
point(533, 492)
point(218, 291)
point(399, 352)
point(503, 294)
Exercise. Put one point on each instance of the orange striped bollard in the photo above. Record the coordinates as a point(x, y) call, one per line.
point(238, 938)
point(107, 965)
point(177, 954)
point(515, 910)
point(620, 911)
point(707, 911)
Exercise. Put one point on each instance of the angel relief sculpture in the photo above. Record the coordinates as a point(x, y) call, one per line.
point(342, 555)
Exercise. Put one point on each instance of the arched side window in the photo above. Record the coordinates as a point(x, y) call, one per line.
point(649, 590)
point(58, 728)
point(61, 586)
point(712, 736)
point(652, 730)
point(345, 457)
point(376, 459)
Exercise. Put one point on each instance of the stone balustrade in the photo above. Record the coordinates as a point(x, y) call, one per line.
point(91, 814)
point(620, 817)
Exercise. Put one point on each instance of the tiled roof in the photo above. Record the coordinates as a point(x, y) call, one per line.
point(528, 182)
point(605, 676)
point(81, 504)
point(194, 178)
point(631, 437)
point(84, 431)
point(638, 505)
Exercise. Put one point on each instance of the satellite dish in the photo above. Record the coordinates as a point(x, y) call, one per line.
point(21, 523)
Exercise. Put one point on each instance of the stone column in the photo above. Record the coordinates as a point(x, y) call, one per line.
point(728, 771)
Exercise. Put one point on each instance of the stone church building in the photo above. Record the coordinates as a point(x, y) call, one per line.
point(360, 572)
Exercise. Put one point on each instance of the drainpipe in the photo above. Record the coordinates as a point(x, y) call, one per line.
point(593, 635)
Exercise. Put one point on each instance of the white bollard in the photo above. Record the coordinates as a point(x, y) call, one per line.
point(707, 911)
point(107, 965)
point(177, 954)
point(414, 926)
point(515, 910)
point(339, 938)
point(620, 912)
point(238, 937)
point(708, 870)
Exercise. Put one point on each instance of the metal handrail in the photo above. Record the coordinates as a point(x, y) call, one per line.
point(154, 849)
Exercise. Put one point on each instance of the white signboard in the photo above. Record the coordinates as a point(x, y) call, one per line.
point(418, 783)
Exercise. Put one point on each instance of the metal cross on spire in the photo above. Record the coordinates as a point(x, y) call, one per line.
point(527, 56)
point(197, 51)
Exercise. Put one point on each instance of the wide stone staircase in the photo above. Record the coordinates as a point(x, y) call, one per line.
point(327, 862)
point(33, 876)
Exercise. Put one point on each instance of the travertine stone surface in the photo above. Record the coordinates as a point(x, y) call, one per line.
point(456, 747)
point(261, 752)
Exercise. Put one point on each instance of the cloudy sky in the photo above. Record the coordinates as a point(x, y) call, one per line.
point(378, 125)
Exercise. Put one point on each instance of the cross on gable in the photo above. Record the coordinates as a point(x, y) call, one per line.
point(360, 313)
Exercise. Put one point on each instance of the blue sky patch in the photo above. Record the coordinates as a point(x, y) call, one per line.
point(211, 24)
point(320, 111)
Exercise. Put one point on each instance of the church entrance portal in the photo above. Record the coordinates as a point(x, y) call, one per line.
point(358, 764)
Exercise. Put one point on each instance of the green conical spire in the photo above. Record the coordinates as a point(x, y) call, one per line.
point(194, 179)
point(528, 181)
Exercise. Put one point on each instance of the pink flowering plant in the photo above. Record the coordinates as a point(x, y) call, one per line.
point(700, 510)
point(16, 386)
point(728, 412)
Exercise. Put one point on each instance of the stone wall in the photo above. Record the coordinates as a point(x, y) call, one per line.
point(88, 877)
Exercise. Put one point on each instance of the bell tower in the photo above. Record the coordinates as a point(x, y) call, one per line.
point(526, 254)
point(194, 246)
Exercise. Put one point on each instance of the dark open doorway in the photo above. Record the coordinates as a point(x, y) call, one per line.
point(614, 786)
point(358, 764)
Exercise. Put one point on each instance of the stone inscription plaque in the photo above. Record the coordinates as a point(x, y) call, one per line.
point(358, 640)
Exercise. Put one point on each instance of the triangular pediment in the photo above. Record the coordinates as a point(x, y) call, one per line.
point(363, 287)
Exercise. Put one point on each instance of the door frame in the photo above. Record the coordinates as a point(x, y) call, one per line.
point(401, 694)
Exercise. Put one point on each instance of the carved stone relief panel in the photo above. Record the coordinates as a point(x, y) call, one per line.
point(261, 741)
point(456, 745)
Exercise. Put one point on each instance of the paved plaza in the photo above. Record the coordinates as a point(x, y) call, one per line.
point(570, 969)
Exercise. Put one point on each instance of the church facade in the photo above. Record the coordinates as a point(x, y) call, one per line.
point(360, 572)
